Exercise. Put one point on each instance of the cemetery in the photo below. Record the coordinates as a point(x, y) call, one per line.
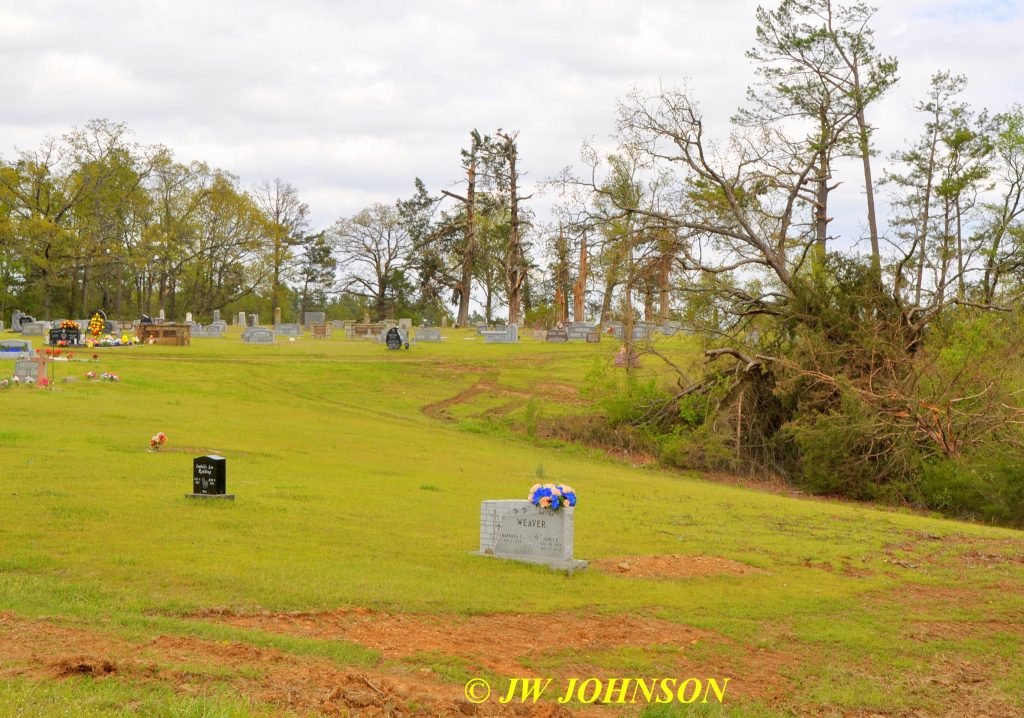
point(355, 363)
point(207, 553)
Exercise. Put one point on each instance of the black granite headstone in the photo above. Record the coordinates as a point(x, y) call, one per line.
point(557, 335)
point(69, 335)
point(209, 477)
point(393, 338)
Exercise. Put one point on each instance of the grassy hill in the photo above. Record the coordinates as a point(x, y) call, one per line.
point(341, 581)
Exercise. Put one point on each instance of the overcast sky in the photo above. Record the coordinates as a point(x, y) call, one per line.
point(349, 101)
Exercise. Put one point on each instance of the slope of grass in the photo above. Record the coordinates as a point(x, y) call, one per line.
point(350, 495)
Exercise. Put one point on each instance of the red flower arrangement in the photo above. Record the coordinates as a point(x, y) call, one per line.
point(157, 440)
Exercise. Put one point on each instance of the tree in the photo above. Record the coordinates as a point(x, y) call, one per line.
point(1002, 231)
point(316, 271)
point(465, 251)
point(373, 247)
point(818, 62)
point(505, 162)
point(942, 172)
point(287, 220)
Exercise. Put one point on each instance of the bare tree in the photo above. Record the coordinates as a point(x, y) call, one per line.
point(287, 220)
point(372, 249)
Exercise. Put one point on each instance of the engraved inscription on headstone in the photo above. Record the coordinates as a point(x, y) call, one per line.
point(518, 530)
point(209, 477)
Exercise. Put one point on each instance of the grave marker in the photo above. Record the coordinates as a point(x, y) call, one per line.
point(16, 349)
point(258, 335)
point(519, 531)
point(309, 318)
point(506, 335)
point(209, 478)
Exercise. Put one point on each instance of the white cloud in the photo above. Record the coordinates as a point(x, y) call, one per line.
point(351, 101)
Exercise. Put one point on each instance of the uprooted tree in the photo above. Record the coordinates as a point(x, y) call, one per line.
point(845, 373)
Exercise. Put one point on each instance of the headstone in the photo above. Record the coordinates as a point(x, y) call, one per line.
point(320, 330)
point(394, 339)
point(428, 334)
point(310, 318)
point(287, 330)
point(506, 335)
point(405, 323)
point(593, 337)
point(16, 320)
point(620, 359)
point(1, 325)
point(277, 315)
point(578, 331)
point(670, 328)
point(70, 336)
point(209, 478)
point(241, 319)
point(254, 320)
point(518, 530)
point(444, 322)
point(339, 324)
point(34, 368)
point(35, 329)
point(210, 331)
point(188, 317)
point(170, 334)
point(558, 336)
point(220, 323)
point(160, 317)
point(16, 349)
point(258, 335)
point(216, 315)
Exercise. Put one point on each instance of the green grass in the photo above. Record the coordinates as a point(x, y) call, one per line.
point(350, 495)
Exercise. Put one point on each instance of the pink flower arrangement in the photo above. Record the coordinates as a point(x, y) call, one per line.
point(157, 440)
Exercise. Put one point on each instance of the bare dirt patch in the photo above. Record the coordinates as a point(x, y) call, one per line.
point(486, 385)
point(506, 644)
point(38, 650)
point(84, 666)
point(472, 638)
point(673, 566)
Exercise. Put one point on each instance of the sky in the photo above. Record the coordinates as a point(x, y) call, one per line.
point(350, 101)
